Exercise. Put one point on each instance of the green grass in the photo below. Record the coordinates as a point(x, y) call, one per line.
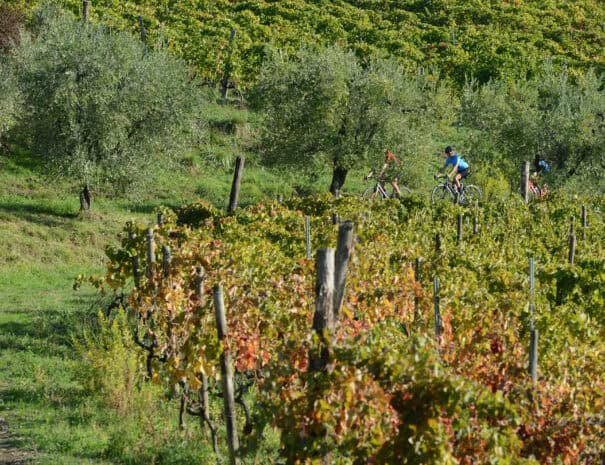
point(45, 395)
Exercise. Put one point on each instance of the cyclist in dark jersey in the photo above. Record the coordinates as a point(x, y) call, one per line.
point(460, 168)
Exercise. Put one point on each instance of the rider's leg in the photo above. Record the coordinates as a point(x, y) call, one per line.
point(396, 189)
point(456, 182)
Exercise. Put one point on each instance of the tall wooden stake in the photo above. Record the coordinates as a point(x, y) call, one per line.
point(343, 252)
point(85, 10)
point(308, 236)
point(323, 319)
point(226, 377)
point(235, 185)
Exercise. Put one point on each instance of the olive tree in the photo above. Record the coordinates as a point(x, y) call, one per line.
point(325, 108)
point(551, 116)
point(11, 22)
point(99, 106)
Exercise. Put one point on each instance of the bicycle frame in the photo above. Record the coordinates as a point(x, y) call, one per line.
point(446, 191)
point(379, 189)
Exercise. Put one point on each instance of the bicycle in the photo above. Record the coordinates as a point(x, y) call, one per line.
point(467, 195)
point(379, 191)
point(534, 191)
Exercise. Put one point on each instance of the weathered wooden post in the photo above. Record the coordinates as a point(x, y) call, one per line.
point(572, 242)
point(437, 310)
point(533, 332)
point(475, 224)
point(525, 181)
point(323, 318)
point(135, 256)
point(334, 218)
point(160, 219)
point(308, 236)
point(226, 377)
point(533, 354)
point(85, 198)
point(459, 228)
point(343, 252)
point(142, 27)
point(417, 263)
point(235, 185)
point(572, 249)
point(438, 243)
point(584, 222)
point(199, 284)
point(85, 10)
point(166, 259)
point(150, 252)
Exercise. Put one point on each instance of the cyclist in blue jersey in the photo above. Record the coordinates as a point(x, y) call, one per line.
point(460, 168)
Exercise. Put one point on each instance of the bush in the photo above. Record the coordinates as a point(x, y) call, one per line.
point(101, 107)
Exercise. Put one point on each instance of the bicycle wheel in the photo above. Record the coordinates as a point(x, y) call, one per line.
point(471, 195)
point(441, 193)
point(368, 193)
point(404, 190)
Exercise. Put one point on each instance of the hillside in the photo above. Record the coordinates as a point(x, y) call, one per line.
point(459, 37)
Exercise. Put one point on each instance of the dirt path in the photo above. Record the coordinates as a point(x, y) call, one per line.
point(8, 454)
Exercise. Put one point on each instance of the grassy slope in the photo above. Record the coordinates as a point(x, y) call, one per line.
point(44, 245)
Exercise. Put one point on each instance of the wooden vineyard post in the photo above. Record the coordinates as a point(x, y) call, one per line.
point(85, 10)
point(584, 222)
point(308, 236)
point(459, 228)
point(533, 355)
point(235, 185)
point(142, 27)
point(438, 243)
point(323, 319)
point(525, 181)
point(437, 309)
point(343, 252)
point(334, 218)
point(160, 218)
point(572, 242)
point(199, 284)
point(417, 264)
point(475, 224)
point(135, 257)
point(226, 377)
point(533, 332)
point(166, 259)
point(150, 253)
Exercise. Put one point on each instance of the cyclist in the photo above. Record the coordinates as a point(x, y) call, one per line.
point(540, 166)
point(460, 168)
point(389, 171)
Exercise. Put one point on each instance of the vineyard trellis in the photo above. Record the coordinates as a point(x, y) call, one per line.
point(379, 340)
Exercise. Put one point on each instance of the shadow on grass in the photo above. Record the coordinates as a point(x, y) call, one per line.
point(38, 213)
point(50, 331)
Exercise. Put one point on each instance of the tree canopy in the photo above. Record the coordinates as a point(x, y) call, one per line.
point(324, 108)
point(100, 105)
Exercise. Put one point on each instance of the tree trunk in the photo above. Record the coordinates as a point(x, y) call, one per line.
point(338, 179)
point(85, 198)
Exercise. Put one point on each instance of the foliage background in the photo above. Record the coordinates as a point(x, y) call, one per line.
point(493, 39)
